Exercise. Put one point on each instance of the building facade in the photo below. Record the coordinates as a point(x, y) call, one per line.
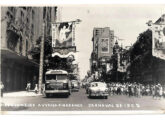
point(103, 41)
point(20, 28)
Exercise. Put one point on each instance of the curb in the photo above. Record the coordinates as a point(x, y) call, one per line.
point(21, 94)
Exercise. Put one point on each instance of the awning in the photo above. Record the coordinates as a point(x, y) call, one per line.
point(9, 54)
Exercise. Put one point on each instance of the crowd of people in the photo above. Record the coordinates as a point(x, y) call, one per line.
point(157, 91)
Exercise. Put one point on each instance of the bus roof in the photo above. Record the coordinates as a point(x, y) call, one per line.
point(56, 72)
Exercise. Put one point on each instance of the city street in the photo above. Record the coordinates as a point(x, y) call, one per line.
point(79, 101)
point(52, 49)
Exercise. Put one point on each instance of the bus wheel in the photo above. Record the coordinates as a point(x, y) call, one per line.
point(67, 95)
point(47, 95)
point(106, 97)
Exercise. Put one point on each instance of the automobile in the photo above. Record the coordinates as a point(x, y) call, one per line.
point(88, 85)
point(98, 89)
point(75, 85)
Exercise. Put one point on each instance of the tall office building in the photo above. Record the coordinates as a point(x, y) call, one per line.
point(103, 41)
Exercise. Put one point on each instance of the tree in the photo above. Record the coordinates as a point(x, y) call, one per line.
point(141, 54)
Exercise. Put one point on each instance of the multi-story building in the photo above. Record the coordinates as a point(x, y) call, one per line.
point(103, 41)
point(20, 28)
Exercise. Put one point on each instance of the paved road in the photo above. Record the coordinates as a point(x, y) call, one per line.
point(79, 101)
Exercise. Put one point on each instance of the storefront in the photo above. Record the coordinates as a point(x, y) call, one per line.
point(16, 71)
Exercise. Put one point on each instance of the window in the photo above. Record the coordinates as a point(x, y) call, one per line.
point(33, 14)
point(97, 32)
point(22, 14)
point(27, 20)
point(27, 46)
point(32, 29)
point(44, 12)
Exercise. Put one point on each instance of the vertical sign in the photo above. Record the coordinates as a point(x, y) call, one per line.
point(118, 62)
point(53, 35)
point(121, 63)
point(73, 34)
point(158, 41)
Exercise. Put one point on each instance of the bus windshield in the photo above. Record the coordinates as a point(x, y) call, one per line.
point(50, 77)
point(61, 77)
point(56, 77)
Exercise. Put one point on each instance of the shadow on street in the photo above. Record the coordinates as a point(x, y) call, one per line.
point(57, 96)
point(95, 97)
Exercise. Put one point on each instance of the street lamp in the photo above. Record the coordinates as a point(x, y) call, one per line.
point(77, 21)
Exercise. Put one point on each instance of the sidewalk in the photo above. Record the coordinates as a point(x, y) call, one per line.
point(21, 94)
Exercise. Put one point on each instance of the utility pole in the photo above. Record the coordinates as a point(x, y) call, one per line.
point(41, 58)
point(117, 66)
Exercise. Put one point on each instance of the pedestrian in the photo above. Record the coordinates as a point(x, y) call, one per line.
point(143, 90)
point(43, 88)
point(118, 90)
point(153, 91)
point(36, 88)
point(157, 91)
point(113, 90)
point(147, 90)
point(160, 91)
point(122, 89)
point(2, 88)
point(129, 91)
point(135, 90)
point(132, 90)
point(164, 91)
point(28, 86)
point(138, 91)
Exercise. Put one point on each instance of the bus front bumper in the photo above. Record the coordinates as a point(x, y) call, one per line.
point(57, 91)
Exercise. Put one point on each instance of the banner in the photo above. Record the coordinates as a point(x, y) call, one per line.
point(121, 63)
point(158, 40)
point(53, 35)
point(105, 45)
point(62, 34)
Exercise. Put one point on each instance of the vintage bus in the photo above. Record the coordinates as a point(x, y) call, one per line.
point(57, 82)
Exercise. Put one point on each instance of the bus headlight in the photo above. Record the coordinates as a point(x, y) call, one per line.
point(65, 85)
point(106, 90)
point(47, 86)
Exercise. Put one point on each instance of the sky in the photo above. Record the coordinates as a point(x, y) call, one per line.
point(127, 21)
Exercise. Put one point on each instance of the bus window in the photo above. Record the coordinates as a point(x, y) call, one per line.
point(50, 77)
point(61, 77)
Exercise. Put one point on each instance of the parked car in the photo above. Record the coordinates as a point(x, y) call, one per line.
point(75, 85)
point(98, 89)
